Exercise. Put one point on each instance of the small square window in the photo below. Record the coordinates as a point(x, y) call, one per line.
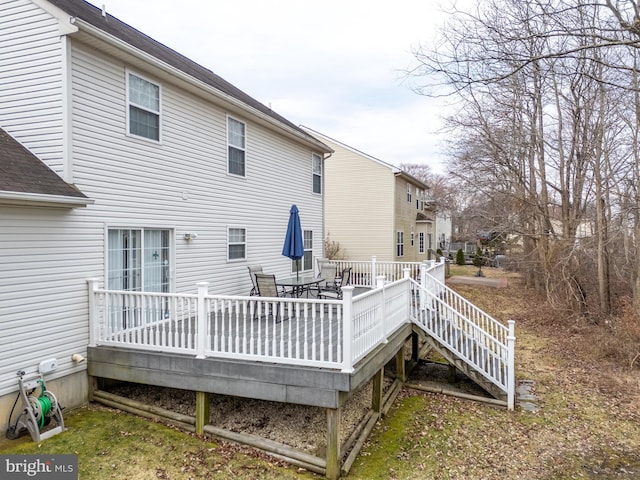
point(236, 243)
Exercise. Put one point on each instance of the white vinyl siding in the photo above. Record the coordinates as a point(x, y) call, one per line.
point(46, 255)
point(30, 79)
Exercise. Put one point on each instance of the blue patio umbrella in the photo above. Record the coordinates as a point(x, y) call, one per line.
point(293, 241)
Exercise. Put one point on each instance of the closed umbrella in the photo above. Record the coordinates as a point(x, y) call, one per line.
point(293, 241)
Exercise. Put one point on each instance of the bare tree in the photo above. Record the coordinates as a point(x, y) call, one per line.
point(541, 85)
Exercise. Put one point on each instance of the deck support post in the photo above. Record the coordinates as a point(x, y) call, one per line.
point(202, 411)
point(415, 347)
point(333, 444)
point(377, 393)
point(401, 372)
point(93, 386)
point(451, 377)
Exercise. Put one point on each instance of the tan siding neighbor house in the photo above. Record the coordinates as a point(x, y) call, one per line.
point(373, 208)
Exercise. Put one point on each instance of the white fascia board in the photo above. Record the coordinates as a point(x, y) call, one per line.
point(176, 72)
point(40, 199)
point(64, 25)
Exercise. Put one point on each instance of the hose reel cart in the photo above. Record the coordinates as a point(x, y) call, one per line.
point(39, 408)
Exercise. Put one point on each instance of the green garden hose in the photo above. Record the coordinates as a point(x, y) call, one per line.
point(44, 402)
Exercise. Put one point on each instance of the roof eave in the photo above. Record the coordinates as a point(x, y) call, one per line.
point(43, 200)
point(224, 98)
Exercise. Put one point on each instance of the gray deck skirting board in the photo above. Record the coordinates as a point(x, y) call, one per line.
point(259, 380)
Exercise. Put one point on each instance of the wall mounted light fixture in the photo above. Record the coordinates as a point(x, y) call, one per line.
point(190, 236)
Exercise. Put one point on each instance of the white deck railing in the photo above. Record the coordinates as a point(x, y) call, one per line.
point(297, 331)
point(364, 273)
point(333, 334)
point(470, 334)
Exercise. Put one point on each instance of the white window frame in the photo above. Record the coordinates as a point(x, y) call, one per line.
point(230, 243)
point(242, 148)
point(167, 258)
point(130, 104)
point(307, 236)
point(400, 243)
point(412, 236)
point(421, 242)
point(409, 196)
point(315, 173)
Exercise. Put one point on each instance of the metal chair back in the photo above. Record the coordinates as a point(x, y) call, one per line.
point(253, 269)
point(266, 284)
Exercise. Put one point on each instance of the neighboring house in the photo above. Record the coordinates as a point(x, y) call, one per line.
point(122, 160)
point(375, 209)
point(444, 229)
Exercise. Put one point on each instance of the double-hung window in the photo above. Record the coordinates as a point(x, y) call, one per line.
point(236, 143)
point(307, 259)
point(400, 243)
point(421, 242)
point(236, 243)
point(316, 161)
point(409, 192)
point(143, 100)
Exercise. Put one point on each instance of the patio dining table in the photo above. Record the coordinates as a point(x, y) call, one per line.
point(298, 285)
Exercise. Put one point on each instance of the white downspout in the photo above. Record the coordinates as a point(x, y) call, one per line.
point(67, 105)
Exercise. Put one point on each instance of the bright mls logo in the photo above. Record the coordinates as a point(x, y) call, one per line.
point(50, 467)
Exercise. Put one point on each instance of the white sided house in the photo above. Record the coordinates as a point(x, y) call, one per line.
point(124, 161)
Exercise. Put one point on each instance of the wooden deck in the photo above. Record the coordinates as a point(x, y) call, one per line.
point(304, 385)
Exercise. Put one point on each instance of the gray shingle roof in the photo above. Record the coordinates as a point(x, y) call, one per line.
point(22, 172)
point(137, 39)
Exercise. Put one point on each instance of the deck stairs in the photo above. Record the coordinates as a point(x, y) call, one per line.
point(466, 337)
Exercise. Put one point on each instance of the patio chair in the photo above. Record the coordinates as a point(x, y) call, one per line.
point(327, 274)
point(334, 290)
point(267, 287)
point(253, 269)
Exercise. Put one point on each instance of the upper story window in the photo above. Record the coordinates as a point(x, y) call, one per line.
point(316, 161)
point(236, 141)
point(400, 243)
point(236, 243)
point(143, 100)
point(409, 192)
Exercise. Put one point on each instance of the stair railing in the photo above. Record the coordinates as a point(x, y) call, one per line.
point(469, 333)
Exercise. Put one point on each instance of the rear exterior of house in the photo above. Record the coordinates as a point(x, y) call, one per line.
point(183, 179)
point(373, 208)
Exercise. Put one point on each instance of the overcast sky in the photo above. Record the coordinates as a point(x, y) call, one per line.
point(335, 66)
